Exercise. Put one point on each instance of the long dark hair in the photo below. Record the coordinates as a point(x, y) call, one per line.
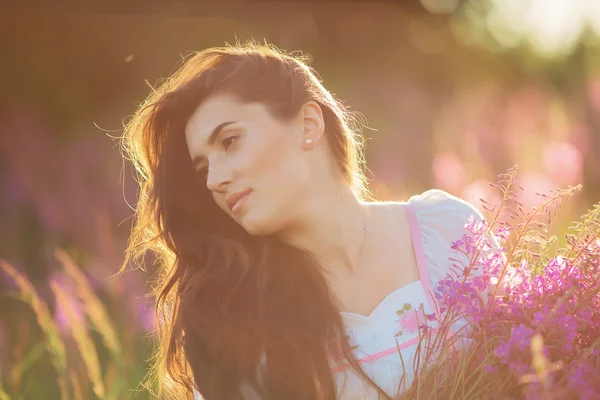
point(234, 309)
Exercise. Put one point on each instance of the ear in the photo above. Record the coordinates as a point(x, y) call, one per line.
point(311, 119)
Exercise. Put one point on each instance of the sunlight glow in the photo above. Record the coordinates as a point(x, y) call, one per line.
point(548, 27)
point(507, 21)
point(593, 15)
point(555, 25)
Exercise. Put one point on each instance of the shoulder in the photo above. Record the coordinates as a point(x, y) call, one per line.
point(438, 200)
point(442, 219)
point(438, 218)
point(442, 209)
point(434, 209)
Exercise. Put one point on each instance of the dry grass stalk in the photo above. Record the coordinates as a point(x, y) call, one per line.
point(82, 340)
point(93, 307)
point(55, 345)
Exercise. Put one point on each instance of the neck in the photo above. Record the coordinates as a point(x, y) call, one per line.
point(331, 227)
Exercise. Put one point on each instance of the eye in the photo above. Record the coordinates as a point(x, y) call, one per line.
point(202, 171)
point(228, 141)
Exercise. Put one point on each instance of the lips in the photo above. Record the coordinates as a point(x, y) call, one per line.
point(236, 200)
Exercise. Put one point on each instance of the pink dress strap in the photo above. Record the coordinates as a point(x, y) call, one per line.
point(417, 239)
point(415, 233)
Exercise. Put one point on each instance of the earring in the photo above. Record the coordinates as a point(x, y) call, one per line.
point(308, 141)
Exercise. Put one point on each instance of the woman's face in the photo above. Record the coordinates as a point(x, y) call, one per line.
point(254, 164)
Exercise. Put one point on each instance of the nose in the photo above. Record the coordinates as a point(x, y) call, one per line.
point(218, 177)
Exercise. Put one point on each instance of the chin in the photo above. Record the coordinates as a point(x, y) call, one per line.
point(256, 225)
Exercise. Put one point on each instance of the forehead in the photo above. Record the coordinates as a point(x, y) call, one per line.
point(214, 111)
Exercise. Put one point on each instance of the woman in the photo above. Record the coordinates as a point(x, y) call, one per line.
point(271, 258)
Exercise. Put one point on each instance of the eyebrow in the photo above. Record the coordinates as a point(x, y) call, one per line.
point(212, 138)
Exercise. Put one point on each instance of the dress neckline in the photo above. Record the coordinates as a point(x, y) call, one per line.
point(368, 318)
point(415, 237)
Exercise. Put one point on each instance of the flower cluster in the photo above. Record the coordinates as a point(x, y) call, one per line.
point(539, 336)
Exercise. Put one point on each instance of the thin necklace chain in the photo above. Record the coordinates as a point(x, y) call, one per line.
point(362, 258)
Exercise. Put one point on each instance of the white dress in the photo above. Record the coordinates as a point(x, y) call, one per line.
point(436, 220)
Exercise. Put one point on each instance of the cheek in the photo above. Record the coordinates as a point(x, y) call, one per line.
point(278, 173)
point(280, 167)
